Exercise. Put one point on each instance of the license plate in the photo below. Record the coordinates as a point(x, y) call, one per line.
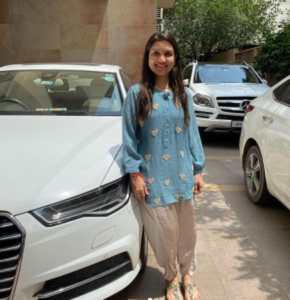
point(237, 124)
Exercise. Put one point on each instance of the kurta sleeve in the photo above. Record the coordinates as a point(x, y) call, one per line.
point(132, 160)
point(194, 139)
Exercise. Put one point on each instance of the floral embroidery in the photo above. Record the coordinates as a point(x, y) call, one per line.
point(148, 157)
point(157, 201)
point(178, 105)
point(155, 106)
point(178, 129)
point(177, 196)
point(181, 176)
point(141, 122)
point(166, 157)
point(154, 132)
point(167, 182)
point(181, 153)
point(150, 180)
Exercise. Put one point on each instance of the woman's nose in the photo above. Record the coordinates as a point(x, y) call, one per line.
point(162, 58)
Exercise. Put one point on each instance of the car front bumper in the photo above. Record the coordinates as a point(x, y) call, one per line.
point(53, 252)
point(216, 125)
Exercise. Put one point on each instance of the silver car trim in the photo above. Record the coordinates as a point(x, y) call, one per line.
point(70, 287)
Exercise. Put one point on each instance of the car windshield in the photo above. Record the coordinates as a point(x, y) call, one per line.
point(225, 74)
point(55, 92)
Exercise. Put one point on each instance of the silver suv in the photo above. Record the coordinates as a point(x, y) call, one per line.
point(221, 93)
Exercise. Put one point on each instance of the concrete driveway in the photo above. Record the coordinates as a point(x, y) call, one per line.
point(243, 250)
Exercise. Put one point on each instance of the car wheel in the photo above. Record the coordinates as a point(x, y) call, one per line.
point(144, 250)
point(255, 179)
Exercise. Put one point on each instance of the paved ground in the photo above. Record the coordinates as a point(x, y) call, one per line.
point(243, 250)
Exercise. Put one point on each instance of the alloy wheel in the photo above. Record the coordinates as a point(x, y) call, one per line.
point(253, 174)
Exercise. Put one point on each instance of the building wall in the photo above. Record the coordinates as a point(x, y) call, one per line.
point(228, 55)
point(97, 31)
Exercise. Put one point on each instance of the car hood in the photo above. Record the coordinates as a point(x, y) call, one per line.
point(230, 90)
point(46, 159)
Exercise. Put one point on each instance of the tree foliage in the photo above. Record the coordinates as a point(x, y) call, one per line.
point(273, 59)
point(202, 26)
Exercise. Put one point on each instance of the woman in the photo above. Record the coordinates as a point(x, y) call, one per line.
point(164, 156)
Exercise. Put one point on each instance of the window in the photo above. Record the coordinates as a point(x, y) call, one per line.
point(282, 93)
point(187, 72)
point(225, 74)
point(126, 81)
point(59, 92)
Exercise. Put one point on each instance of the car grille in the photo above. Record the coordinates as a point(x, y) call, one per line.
point(11, 247)
point(232, 104)
point(86, 280)
point(203, 114)
point(229, 117)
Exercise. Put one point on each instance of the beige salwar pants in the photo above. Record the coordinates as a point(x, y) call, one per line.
point(171, 232)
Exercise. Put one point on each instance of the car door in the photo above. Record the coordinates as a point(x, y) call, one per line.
point(276, 118)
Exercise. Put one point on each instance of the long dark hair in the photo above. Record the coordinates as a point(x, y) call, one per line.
point(145, 96)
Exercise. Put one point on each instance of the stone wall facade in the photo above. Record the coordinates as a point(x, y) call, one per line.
point(93, 31)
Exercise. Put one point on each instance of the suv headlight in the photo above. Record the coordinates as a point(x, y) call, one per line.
point(203, 100)
point(100, 202)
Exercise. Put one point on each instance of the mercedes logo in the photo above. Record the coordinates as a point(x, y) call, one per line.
point(244, 104)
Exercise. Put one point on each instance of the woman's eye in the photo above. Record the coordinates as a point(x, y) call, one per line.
point(155, 53)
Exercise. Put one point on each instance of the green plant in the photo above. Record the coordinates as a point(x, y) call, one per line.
point(273, 60)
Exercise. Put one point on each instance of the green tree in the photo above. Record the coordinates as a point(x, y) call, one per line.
point(273, 59)
point(202, 26)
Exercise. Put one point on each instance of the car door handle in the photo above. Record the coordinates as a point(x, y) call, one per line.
point(268, 119)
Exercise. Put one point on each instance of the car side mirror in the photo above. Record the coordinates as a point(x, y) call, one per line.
point(265, 81)
point(186, 82)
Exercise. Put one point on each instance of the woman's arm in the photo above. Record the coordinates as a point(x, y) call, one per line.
point(132, 159)
point(195, 148)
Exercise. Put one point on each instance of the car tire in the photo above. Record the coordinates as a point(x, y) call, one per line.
point(255, 179)
point(144, 250)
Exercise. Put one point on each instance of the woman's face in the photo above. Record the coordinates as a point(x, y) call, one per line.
point(161, 58)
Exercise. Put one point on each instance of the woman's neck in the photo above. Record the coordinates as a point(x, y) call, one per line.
point(162, 83)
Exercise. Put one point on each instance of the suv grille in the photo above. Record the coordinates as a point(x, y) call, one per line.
point(86, 280)
point(11, 247)
point(232, 104)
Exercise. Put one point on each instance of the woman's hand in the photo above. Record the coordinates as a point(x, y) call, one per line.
point(198, 184)
point(139, 187)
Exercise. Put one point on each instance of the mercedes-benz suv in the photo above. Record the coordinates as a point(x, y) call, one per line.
point(221, 93)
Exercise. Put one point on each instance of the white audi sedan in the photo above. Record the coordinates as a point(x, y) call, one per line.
point(69, 226)
point(265, 146)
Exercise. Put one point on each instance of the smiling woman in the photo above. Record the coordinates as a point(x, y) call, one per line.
point(46, 92)
point(164, 156)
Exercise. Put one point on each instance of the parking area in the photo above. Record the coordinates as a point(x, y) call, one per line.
point(243, 249)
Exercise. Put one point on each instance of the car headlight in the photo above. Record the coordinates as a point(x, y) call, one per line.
point(203, 100)
point(100, 202)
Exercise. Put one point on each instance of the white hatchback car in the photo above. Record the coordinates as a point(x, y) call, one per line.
point(265, 146)
point(69, 226)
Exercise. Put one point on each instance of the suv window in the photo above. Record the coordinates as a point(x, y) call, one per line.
point(225, 74)
point(187, 72)
point(282, 92)
point(126, 81)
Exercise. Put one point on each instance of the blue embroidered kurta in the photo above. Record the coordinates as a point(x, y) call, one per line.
point(161, 148)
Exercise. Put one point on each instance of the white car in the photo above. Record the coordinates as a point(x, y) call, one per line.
point(265, 146)
point(221, 92)
point(69, 226)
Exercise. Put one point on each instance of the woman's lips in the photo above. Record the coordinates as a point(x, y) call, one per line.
point(160, 66)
